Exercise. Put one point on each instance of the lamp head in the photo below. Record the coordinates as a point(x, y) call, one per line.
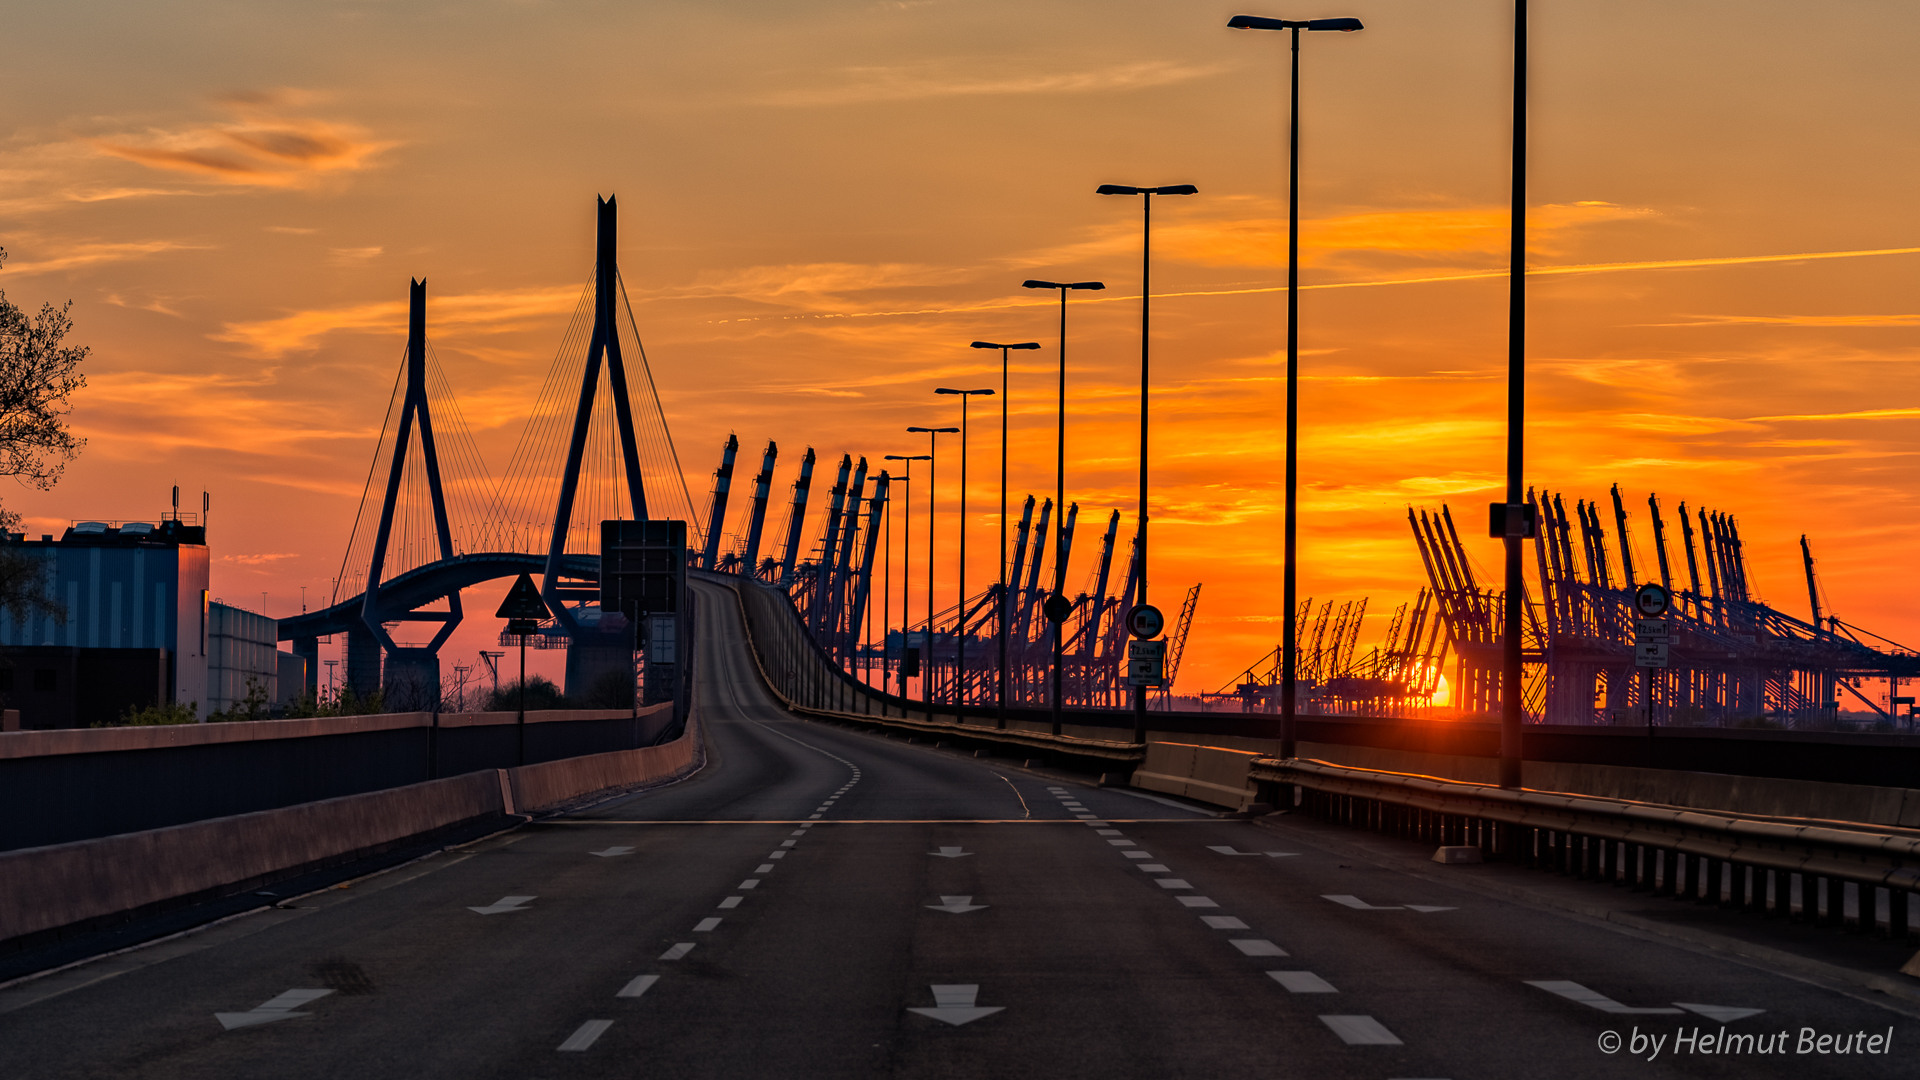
point(1256, 22)
point(1116, 189)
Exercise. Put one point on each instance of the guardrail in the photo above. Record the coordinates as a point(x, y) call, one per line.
point(1822, 872)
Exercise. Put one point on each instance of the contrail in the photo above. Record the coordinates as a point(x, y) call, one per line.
point(1483, 275)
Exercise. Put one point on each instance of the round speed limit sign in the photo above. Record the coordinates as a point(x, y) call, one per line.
point(1145, 622)
point(1651, 600)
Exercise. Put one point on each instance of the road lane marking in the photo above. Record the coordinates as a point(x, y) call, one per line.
point(953, 1003)
point(950, 853)
point(1196, 901)
point(584, 1037)
point(677, 951)
point(1223, 922)
point(278, 1008)
point(1361, 1031)
point(1107, 832)
point(1136, 855)
point(1086, 817)
point(1358, 904)
point(705, 925)
point(786, 843)
point(750, 883)
point(763, 868)
point(612, 851)
point(730, 902)
point(957, 905)
point(1257, 947)
point(776, 854)
point(1153, 868)
point(810, 816)
point(1573, 991)
point(1121, 843)
point(1428, 909)
point(503, 905)
point(1227, 849)
point(638, 986)
point(1172, 883)
point(1302, 982)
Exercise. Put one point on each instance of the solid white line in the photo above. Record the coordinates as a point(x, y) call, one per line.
point(705, 925)
point(677, 951)
point(1302, 982)
point(1161, 801)
point(588, 1032)
point(1257, 947)
point(1360, 1031)
point(730, 902)
point(638, 986)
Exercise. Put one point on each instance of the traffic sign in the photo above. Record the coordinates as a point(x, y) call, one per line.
point(1145, 621)
point(1645, 630)
point(1057, 608)
point(523, 609)
point(1146, 663)
point(1651, 600)
point(1650, 654)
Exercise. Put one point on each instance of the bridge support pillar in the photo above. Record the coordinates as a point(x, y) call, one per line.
point(363, 663)
point(308, 649)
point(412, 680)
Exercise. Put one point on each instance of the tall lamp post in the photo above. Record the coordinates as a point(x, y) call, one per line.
point(906, 569)
point(1000, 619)
point(960, 646)
point(1146, 295)
point(926, 662)
point(1060, 485)
point(1289, 631)
point(1515, 518)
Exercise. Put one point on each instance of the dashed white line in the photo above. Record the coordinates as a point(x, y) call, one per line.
point(1196, 901)
point(1360, 1031)
point(1302, 982)
point(750, 883)
point(1136, 855)
point(1257, 947)
point(585, 1037)
point(764, 868)
point(1223, 922)
point(730, 902)
point(705, 925)
point(677, 951)
point(638, 986)
point(1173, 883)
point(1153, 868)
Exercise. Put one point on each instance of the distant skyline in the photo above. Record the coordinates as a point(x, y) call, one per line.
point(822, 204)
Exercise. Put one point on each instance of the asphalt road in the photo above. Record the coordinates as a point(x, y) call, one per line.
point(825, 903)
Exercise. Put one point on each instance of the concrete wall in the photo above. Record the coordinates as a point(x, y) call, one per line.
point(240, 646)
point(60, 786)
point(43, 889)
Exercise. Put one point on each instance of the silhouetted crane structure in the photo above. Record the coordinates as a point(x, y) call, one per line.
point(1732, 659)
point(1398, 677)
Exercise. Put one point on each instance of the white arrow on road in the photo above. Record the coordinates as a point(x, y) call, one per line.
point(612, 851)
point(279, 1008)
point(1226, 849)
point(950, 853)
point(1573, 991)
point(1724, 1014)
point(954, 1004)
point(504, 904)
point(958, 905)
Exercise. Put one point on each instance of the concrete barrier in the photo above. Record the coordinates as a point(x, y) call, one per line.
point(63, 885)
point(50, 887)
point(1209, 774)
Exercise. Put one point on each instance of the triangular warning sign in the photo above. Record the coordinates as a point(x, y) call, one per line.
point(523, 601)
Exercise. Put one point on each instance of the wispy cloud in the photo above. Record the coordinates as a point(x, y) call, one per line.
point(259, 147)
point(353, 256)
point(92, 253)
point(1860, 414)
point(947, 79)
point(487, 312)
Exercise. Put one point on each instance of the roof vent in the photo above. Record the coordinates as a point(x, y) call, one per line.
point(91, 528)
point(136, 528)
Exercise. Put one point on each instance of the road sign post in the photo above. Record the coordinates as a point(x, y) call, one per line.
point(523, 609)
point(1650, 636)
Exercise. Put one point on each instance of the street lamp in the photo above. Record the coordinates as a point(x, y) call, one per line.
point(1060, 485)
point(1516, 519)
point(1146, 294)
point(1289, 631)
point(1001, 619)
point(906, 570)
point(926, 671)
point(960, 655)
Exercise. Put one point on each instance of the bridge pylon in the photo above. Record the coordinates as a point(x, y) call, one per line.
point(412, 675)
point(594, 653)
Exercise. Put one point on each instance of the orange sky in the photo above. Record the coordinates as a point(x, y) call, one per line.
point(823, 203)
